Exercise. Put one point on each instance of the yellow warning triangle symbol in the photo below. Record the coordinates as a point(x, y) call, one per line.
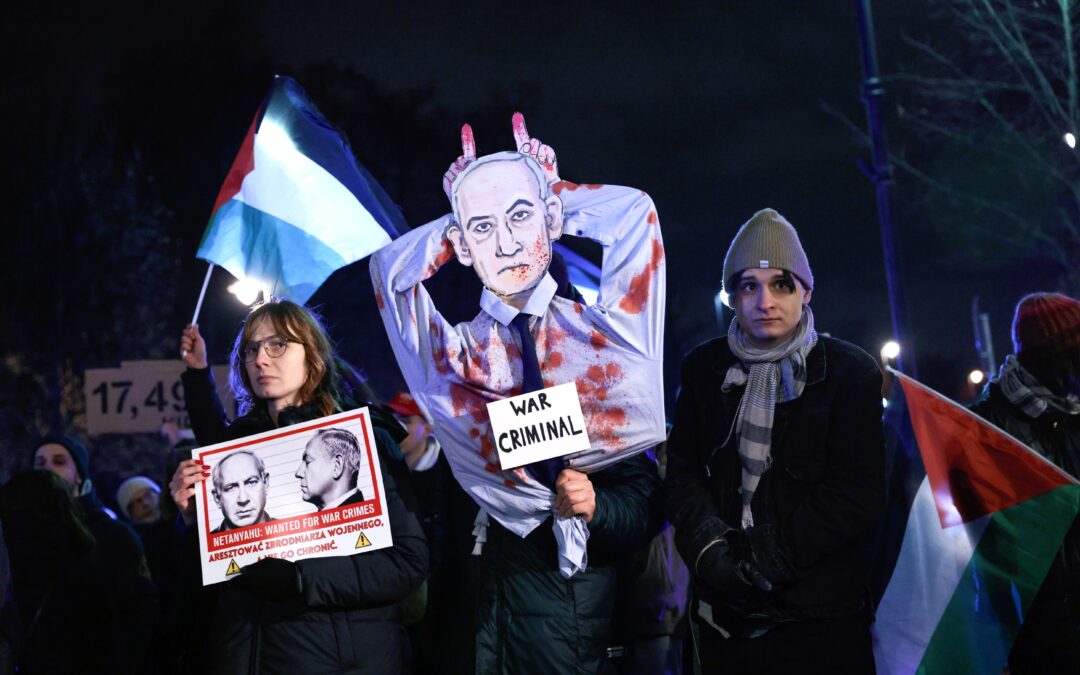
point(362, 540)
point(233, 568)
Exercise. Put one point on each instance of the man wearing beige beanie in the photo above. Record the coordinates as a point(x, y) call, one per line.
point(776, 473)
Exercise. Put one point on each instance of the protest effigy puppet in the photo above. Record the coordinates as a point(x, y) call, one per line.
point(506, 210)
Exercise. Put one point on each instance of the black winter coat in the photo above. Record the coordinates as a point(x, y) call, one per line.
point(529, 619)
point(349, 618)
point(1049, 639)
point(824, 492)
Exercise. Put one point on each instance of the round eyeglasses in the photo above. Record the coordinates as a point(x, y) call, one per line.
point(274, 345)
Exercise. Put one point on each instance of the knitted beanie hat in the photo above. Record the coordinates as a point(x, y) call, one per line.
point(75, 448)
point(126, 492)
point(767, 240)
point(1045, 324)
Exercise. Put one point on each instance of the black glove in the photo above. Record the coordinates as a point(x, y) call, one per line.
point(270, 579)
point(769, 555)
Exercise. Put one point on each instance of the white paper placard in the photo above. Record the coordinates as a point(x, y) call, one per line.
point(291, 521)
point(536, 426)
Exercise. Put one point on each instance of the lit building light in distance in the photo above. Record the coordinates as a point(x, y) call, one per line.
point(976, 377)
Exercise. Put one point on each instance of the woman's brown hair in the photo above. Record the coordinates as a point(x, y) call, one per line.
point(297, 324)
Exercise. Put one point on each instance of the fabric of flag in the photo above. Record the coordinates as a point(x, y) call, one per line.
point(985, 518)
point(296, 204)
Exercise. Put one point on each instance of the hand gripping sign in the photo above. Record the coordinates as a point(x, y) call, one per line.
point(305, 491)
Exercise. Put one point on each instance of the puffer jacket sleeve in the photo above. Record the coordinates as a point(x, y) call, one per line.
point(377, 578)
point(628, 507)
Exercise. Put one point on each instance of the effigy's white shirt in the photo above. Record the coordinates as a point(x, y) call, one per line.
point(612, 350)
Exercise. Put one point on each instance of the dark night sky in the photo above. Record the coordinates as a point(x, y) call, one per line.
point(711, 107)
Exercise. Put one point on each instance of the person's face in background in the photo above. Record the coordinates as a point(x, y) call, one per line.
point(415, 444)
point(144, 506)
point(55, 457)
point(241, 494)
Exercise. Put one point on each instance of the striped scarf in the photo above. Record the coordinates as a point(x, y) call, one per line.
point(772, 375)
point(1025, 392)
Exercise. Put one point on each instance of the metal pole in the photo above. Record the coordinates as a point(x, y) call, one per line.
point(880, 173)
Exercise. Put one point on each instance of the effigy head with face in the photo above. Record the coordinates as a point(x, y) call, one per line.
point(505, 218)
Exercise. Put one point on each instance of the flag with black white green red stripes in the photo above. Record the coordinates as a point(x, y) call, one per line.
point(983, 525)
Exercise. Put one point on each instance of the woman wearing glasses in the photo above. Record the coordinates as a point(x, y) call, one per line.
point(340, 614)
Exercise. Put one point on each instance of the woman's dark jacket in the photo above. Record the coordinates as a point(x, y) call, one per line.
point(821, 497)
point(348, 618)
point(529, 619)
point(1049, 639)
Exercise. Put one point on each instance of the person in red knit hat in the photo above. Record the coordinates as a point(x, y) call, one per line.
point(1036, 398)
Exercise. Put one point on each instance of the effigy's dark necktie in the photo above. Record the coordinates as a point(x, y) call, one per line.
point(547, 470)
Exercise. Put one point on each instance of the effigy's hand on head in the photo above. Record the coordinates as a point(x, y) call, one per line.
point(533, 147)
point(468, 156)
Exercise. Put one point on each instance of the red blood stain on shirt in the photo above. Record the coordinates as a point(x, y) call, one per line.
point(594, 386)
point(604, 427)
point(554, 360)
point(441, 259)
point(474, 432)
point(634, 300)
point(509, 483)
point(487, 448)
point(651, 218)
point(467, 402)
point(578, 307)
point(379, 300)
point(491, 468)
point(597, 340)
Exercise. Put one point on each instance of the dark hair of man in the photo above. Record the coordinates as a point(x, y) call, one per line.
point(297, 324)
point(1060, 373)
point(38, 499)
point(733, 282)
point(344, 443)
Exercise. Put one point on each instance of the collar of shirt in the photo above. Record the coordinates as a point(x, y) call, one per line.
point(537, 305)
point(340, 500)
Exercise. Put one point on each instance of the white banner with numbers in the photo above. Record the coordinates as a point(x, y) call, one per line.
point(139, 396)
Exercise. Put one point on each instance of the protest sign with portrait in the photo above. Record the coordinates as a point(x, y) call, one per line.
point(304, 491)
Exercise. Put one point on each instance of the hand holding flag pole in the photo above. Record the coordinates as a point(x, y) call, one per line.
point(198, 303)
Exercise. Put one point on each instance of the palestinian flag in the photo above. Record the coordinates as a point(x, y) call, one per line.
point(985, 521)
point(296, 204)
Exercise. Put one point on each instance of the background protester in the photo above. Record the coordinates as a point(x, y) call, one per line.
point(140, 500)
point(1036, 399)
point(335, 614)
point(75, 616)
point(776, 473)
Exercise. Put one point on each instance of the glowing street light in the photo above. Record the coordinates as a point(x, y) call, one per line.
point(890, 350)
point(976, 377)
point(1070, 139)
point(247, 290)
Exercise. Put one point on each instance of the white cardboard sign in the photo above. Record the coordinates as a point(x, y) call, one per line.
point(539, 425)
point(302, 506)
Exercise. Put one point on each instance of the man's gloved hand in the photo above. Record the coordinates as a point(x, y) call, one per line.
point(270, 579)
point(769, 555)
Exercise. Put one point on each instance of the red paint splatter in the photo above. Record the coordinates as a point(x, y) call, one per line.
point(487, 448)
point(509, 483)
point(441, 259)
point(578, 307)
point(474, 432)
point(557, 188)
point(491, 468)
point(634, 300)
point(466, 402)
point(597, 340)
point(379, 300)
point(651, 218)
point(554, 360)
point(604, 426)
